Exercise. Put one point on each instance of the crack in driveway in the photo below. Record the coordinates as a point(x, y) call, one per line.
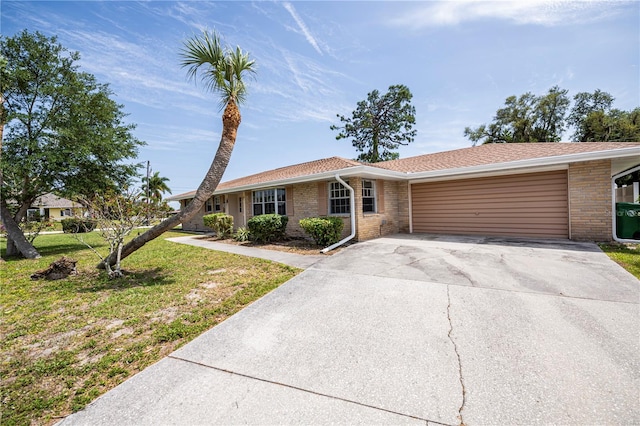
point(455, 348)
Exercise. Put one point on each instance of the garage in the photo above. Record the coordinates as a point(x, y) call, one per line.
point(522, 205)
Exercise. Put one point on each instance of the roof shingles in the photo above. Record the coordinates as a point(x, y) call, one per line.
point(496, 154)
point(455, 159)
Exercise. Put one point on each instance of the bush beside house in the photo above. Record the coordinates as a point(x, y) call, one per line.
point(267, 227)
point(221, 223)
point(324, 230)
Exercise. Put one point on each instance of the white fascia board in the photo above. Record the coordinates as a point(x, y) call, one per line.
point(535, 164)
point(179, 197)
point(366, 171)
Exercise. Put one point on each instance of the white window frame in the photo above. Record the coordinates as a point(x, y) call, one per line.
point(208, 205)
point(217, 203)
point(276, 198)
point(339, 193)
point(370, 193)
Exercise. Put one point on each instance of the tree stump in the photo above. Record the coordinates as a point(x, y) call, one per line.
point(57, 270)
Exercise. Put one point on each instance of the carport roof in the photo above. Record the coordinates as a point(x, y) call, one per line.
point(455, 162)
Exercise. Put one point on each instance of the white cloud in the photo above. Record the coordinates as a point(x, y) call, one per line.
point(536, 12)
point(303, 27)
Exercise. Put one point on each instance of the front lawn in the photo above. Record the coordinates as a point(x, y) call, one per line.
point(626, 255)
point(66, 342)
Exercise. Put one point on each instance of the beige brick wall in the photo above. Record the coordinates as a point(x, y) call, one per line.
point(195, 223)
point(306, 204)
point(386, 220)
point(590, 200)
point(402, 189)
point(392, 215)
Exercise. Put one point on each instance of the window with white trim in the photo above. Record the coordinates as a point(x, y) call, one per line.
point(368, 196)
point(217, 203)
point(269, 201)
point(339, 199)
point(208, 205)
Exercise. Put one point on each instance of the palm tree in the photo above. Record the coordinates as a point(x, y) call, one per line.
point(222, 70)
point(154, 186)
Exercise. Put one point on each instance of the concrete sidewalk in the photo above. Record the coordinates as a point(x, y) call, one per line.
point(301, 261)
point(411, 330)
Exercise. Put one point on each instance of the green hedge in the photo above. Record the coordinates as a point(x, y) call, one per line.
point(221, 223)
point(76, 225)
point(267, 227)
point(324, 230)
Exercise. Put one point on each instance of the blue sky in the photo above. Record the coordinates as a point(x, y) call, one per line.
point(460, 59)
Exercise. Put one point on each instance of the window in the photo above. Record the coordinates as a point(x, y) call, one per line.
point(368, 196)
point(217, 204)
point(33, 214)
point(269, 201)
point(240, 204)
point(339, 200)
point(208, 206)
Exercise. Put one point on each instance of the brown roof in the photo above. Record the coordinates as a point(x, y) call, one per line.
point(52, 201)
point(297, 170)
point(455, 159)
point(495, 154)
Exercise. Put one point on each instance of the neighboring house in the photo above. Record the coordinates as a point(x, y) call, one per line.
point(556, 190)
point(52, 207)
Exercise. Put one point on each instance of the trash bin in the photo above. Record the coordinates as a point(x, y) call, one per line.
point(628, 220)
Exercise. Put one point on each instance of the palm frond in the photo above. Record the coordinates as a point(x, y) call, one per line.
point(224, 68)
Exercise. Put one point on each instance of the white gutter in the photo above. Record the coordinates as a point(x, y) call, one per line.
point(613, 206)
point(352, 211)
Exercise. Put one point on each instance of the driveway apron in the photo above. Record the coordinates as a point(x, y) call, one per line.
point(411, 329)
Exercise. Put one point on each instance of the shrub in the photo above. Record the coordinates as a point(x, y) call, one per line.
point(221, 223)
point(242, 234)
point(267, 227)
point(324, 230)
point(77, 225)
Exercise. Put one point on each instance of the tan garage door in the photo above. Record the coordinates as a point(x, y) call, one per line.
point(528, 205)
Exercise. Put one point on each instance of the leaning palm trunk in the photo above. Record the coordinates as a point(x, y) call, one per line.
point(230, 123)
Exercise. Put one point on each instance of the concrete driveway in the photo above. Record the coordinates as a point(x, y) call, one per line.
point(411, 329)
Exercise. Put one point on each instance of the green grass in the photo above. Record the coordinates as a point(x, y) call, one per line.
point(66, 342)
point(626, 255)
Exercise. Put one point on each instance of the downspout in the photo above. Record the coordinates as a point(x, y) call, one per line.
point(613, 206)
point(352, 213)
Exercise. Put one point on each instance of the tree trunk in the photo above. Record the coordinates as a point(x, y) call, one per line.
point(16, 241)
point(230, 124)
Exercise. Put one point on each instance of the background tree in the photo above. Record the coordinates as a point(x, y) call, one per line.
point(155, 186)
point(222, 71)
point(63, 133)
point(594, 119)
point(380, 124)
point(527, 118)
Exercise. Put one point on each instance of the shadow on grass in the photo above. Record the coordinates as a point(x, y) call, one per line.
point(53, 250)
point(146, 278)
